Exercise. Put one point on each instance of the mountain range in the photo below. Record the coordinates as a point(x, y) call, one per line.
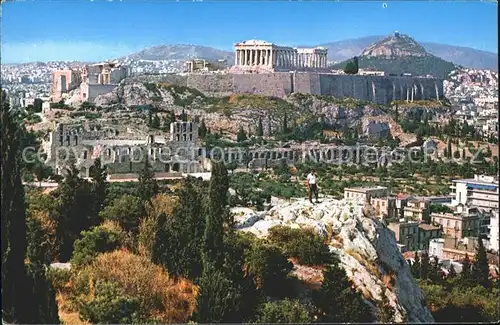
point(337, 51)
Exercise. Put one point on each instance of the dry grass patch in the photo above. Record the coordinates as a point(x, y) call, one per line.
point(160, 296)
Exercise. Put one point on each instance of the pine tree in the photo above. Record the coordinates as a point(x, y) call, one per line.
point(480, 270)
point(202, 130)
point(213, 248)
point(260, 130)
point(99, 178)
point(241, 136)
point(147, 187)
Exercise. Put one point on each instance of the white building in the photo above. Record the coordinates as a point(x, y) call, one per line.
point(481, 192)
point(436, 247)
point(493, 235)
point(365, 193)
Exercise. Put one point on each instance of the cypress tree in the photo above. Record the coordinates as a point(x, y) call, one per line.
point(99, 177)
point(202, 130)
point(217, 215)
point(424, 266)
point(260, 130)
point(356, 65)
point(21, 301)
point(14, 244)
point(285, 124)
point(448, 150)
point(415, 270)
point(147, 187)
point(179, 238)
point(76, 213)
point(480, 271)
point(241, 136)
point(465, 275)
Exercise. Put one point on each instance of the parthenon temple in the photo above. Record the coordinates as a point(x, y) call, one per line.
point(262, 56)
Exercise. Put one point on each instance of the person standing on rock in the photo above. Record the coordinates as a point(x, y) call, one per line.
point(311, 185)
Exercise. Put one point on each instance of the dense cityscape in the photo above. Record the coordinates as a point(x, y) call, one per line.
point(271, 184)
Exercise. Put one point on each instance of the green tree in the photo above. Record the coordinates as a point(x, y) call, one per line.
point(356, 64)
point(110, 306)
point(41, 172)
point(202, 130)
point(177, 246)
point(269, 269)
point(452, 273)
point(218, 301)
point(283, 311)
point(424, 265)
point(21, 302)
point(38, 103)
point(93, 242)
point(217, 215)
point(337, 301)
point(241, 135)
point(448, 150)
point(127, 210)
point(260, 129)
point(75, 213)
point(465, 275)
point(285, 123)
point(147, 187)
point(99, 184)
point(155, 122)
point(480, 269)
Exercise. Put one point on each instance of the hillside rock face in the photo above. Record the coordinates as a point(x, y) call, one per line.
point(396, 45)
point(366, 248)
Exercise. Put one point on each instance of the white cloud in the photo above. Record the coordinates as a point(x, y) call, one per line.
point(63, 50)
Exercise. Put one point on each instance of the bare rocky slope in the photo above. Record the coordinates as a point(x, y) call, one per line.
point(227, 114)
point(366, 248)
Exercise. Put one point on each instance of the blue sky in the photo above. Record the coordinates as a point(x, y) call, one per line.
point(43, 30)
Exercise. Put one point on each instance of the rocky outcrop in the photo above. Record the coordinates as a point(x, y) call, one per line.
point(366, 248)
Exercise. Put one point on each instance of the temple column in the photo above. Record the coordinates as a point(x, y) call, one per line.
point(264, 56)
point(271, 58)
point(253, 57)
point(245, 57)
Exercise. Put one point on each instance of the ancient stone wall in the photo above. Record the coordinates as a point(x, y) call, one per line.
point(180, 80)
point(379, 89)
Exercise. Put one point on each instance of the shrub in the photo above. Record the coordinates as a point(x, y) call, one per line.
point(93, 242)
point(126, 210)
point(283, 311)
point(304, 244)
point(158, 296)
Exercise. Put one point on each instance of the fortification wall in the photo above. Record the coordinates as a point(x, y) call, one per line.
point(278, 84)
point(212, 84)
point(176, 79)
point(379, 89)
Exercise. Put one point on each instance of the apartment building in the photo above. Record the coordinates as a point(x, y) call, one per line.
point(464, 221)
point(416, 209)
point(493, 232)
point(481, 192)
point(385, 207)
point(366, 193)
point(406, 233)
point(426, 233)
